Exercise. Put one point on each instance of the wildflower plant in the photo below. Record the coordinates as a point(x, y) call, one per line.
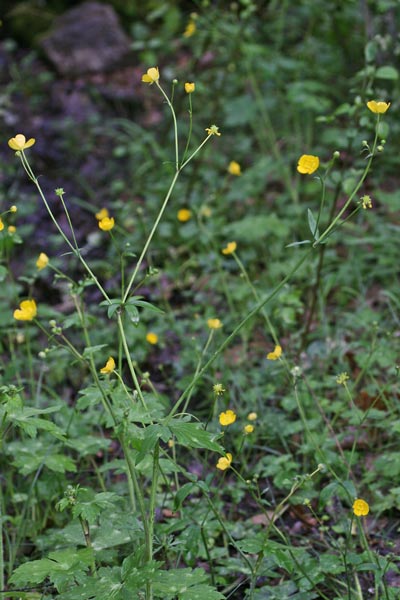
point(149, 511)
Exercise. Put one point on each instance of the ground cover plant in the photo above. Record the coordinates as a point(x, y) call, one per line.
point(200, 313)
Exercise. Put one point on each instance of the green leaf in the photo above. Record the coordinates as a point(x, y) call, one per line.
point(3, 273)
point(312, 223)
point(192, 435)
point(152, 434)
point(90, 350)
point(387, 72)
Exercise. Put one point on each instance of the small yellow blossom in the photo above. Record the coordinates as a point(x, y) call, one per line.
point(171, 443)
point(277, 353)
point(378, 107)
point(227, 418)
point(342, 378)
point(366, 202)
point(229, 248)
point(27, 311)
point(13, 209)
point(214, 323)
point(234, 168)
point(152, 338)
point(189, 87)
point(42, 261)
point(1, 225)
point(106, 223)
point(109, 367)
point(213, 130)
point(190, 29)
point(151, 76)
point(248, 429)
point(19, 142)
point(183, 215)
point(224, 462)
point(252, 416)
point(307, 164)
point(11, 229)
point(102, 214)
point(218, 389)
point(360, 508)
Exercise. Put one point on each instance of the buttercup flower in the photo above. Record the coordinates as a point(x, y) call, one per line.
point(13, 209)
point(227, 418)
point(248, 429)
point(152, 338)
point(218, 389)
point(19, 142)
point(229, 248)
point(106, 223)
point(190, 29)
point(213, 130)
point(1, 225)
point(183, 215)
point(109, 367)
point(205, 211)
point(307, 164)
point(277, 353)
point(151, 76)
point(252, 416)
point(42, 261)
point(234, 168)
point(378, 107)
point(27, 311)
point(102, 214)
point(189, 88)
point(214, 323)
point(360, 508)
point(11, 229)
point(224, 462)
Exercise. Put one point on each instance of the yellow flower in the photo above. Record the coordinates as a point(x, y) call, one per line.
point(234, 168)
point(213, 130)
point(248, 429)
point(152, 338)
point(218, 389)
point(13, 209)
point(102, 214)
point(190, 29)
point(27, 311)
point(19, 142)
point(227, 418)
point(151, 76)
point(360, 508)
point(307, 164)
point(184, 214)
point(252, 416)
point(42, 261)
point(230, 248)
point(1, 225)
point(275, 354)
point(109, 367)
point(106, 223)
point(189, 88)
point(11, 229)
point(214, 323)
point(378, 107)
point(224, 462)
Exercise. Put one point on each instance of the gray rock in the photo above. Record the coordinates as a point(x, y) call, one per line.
point(86, 39)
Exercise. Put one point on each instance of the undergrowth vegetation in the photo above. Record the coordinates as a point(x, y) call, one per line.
point(199, 353)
